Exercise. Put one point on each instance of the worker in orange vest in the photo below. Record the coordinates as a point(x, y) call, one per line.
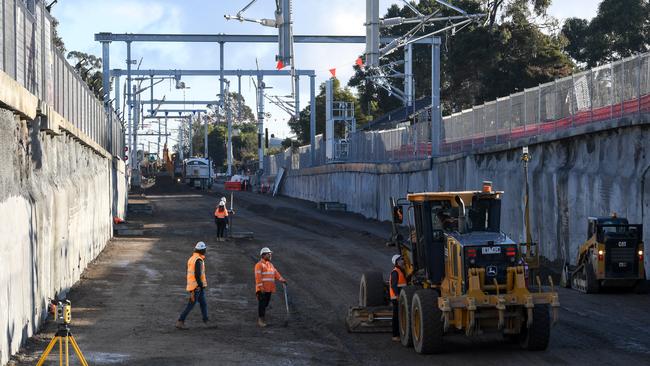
point(221, 219)
point(196, 284)
point(397, 280)
point(265, 277)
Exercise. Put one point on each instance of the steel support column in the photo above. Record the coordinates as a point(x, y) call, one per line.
point(239, 100)
point(312, 119)
point(229, 121)
point(221, 76)
point(408, 74)
point(166, 132)
point(260, 121)
point(436, 116)
point(129, 104)
point(297, 97)
point(190, 136)
point(106, 91)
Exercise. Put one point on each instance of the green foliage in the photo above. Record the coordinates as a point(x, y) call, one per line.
point(301, 126)
point(620, 29)
point(89, 67)
point(244, 139)
point(56, 38)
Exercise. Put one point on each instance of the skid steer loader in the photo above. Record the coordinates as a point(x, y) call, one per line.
point(464, 276)
point(612, 256)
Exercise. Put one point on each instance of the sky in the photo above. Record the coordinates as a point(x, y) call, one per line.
point(81, 19)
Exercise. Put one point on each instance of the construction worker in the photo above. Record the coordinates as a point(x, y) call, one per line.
point(265, 277)
point(397, 281)
point(221, 219)
point(196, 284)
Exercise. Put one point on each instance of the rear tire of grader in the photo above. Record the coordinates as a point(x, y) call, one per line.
point(536, 337)
point(404, 315)
point(371, 290)
point(426, 322)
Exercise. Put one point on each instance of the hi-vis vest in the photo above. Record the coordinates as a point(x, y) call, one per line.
point(191, 279)
point(401, 282)
point(221, 214)
point(265, 276)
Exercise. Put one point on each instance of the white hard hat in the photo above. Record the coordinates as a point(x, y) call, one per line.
point(200, 246)
point(223, 199)
point(222, 203)
point(396, 257)
point(265, 250)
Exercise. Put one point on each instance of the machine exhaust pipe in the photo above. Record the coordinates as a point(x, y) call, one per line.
point(461, 214)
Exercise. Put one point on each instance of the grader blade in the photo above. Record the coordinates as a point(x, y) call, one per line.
point(369, 319)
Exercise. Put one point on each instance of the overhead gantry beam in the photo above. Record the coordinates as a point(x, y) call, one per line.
point(235, 38)
point(120, 72)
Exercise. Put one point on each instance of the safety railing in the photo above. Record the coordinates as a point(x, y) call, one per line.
point(607, 92)
point(29, 55)
point(603, 93)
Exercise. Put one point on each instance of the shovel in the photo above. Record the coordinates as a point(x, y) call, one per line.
point(286, 303)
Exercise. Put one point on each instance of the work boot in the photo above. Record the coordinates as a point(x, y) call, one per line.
point(261, 323)
point(181, 325)
point(395, 339)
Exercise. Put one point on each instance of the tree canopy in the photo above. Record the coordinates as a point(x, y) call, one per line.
point(301, 126)
point(620, 29)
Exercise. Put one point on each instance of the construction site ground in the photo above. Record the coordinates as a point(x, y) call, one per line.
point(126, 304)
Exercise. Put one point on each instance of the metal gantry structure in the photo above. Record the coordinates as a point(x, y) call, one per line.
point(178, 74)
point(221, 39)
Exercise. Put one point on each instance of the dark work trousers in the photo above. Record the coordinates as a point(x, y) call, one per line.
point(199, 295)
point(395, 318)
point(221, 227)
point(263, 302)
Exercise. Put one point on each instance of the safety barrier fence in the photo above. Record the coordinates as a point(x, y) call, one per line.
point(28, 54)
point(606, 92)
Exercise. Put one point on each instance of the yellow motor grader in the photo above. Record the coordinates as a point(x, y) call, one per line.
point(464, 277)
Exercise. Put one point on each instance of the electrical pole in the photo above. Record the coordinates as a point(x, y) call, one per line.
point(260, 122)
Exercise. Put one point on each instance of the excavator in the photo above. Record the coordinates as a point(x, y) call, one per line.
point(464, 276)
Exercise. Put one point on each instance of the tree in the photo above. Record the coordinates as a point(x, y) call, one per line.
point(620, 29)
point(89, 67)
point(301, 126)
point(56, 38)
point(244, 139)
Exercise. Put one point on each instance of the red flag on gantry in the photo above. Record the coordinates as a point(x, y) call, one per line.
point(333, 72)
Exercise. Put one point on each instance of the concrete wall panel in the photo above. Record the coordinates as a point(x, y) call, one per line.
point(57, 199)
point(592, 174)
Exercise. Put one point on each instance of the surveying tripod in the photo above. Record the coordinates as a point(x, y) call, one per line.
point(62, 313)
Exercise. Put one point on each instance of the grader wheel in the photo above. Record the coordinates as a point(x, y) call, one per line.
point(426, 322)
point(404, 315)
point(537, 336)
point(371, 290)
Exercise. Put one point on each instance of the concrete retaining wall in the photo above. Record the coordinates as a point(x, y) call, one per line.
point(57, 199)
point(589, 174)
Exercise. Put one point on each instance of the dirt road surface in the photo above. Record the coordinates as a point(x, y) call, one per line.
point(125, 306)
